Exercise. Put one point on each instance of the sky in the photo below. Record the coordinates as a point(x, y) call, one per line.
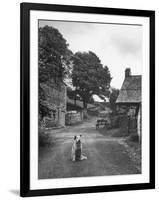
point(118, 46)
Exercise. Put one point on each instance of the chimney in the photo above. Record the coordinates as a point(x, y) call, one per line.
point(127, 72)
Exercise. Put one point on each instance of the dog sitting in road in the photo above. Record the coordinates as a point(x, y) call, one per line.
point(76, 154)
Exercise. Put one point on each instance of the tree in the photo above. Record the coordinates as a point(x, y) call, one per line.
point(113, 97)
point(54, 55)
point(71, 93)
point(89, 76)
point(54, 60)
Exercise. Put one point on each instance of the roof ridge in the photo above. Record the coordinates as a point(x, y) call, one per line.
point(133, 76)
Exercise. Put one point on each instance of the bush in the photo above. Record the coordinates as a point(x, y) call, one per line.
point(134, 138)
point(115, 122)
point(44, 139)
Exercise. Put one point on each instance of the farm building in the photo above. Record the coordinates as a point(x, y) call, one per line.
point(129, 103)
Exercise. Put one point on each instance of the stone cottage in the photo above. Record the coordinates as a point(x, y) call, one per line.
point(129, 103)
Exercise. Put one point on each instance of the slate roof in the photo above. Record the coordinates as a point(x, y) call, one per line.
point(131, 90)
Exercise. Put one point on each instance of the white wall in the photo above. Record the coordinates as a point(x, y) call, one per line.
point(9, 100)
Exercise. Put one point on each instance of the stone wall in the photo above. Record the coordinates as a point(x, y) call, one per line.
point(123, 124)
point(74, 118)
point(130, 119)
point(55, 100)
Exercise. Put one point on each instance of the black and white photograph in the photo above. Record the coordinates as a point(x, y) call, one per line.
point(78, 101)
point(87, 98)
point(90, 99)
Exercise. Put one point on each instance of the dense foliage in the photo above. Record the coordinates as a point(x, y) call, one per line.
point(89, 76)
point(113, 97)
point(54, 55)
point(54, 59)
point(56, 62)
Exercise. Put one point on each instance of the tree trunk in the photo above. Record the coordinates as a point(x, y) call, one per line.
point(85, 114)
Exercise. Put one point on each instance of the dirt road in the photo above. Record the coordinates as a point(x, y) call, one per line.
point(106, 155)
